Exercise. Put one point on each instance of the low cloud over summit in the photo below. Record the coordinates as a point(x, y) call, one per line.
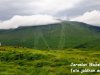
point(37, 12)
point(32, 20)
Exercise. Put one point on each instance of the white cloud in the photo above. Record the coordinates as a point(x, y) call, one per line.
point(9, 8)
point(17, 21)
point(52, 6)
point(38, 6)
point(92, 17)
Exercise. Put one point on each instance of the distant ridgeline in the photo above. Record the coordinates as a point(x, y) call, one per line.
point(53, 36)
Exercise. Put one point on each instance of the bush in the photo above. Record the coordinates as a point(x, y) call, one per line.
point(42, 63)
point(10, 56)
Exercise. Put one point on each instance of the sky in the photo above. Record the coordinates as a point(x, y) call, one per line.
point(15, 13)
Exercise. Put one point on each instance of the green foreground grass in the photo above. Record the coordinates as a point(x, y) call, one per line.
point(25, 61)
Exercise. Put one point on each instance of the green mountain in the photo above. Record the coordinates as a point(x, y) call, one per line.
point(53, 36)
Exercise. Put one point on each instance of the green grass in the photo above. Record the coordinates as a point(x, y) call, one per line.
point(25, 61)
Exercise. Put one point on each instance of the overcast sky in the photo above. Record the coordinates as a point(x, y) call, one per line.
point(15, 13)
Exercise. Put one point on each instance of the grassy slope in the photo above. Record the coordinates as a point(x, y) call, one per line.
point(24, 61)
point(56, 36)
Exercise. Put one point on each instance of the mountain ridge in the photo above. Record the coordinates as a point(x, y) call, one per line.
point(67, 34)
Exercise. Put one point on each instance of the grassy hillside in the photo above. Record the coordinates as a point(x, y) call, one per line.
point(49, 49)
point(55, 36)
point(25, 61)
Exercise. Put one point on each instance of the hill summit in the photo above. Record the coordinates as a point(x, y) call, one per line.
point(67, 34)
